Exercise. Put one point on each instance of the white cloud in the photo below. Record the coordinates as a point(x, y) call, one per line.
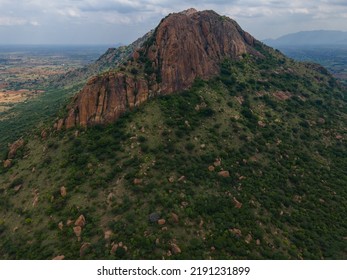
point(262, 18)
point(11, 21)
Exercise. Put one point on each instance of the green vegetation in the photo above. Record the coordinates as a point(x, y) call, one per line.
point(275, 125)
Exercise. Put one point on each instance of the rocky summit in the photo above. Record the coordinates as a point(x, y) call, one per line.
point(185, 46)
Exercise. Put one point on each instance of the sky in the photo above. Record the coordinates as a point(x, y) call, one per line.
point(122, 21)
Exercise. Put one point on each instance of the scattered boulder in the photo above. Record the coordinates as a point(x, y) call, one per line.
point(108, 234)
point(36, 198)
point(237, 232)
point(17, 188)
point(175, 218)
point(84, 248)
point(258, 242)
point(211, 168)
point(63, 191)
point(78, 231)
point(81, 221)
point(110, 198)
point(137, 181)
point(248, 239)
point(161, 222)
point(14, 147)
point(182, 178)
point(115, 246)
point(224, 174)
point(7, 163)
point(175, 249)
point(261, 124)
point(321, 121)
point(59, 258)
point(154, 217)
point(44, 134)
point(61, 225)
point(339, 137)
point(60, 124)
point(237, 203)
point(69, 222)
point(217, 162)
point(171, 179)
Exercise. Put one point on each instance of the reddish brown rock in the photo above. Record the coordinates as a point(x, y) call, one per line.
point(161, 222)
point(61, 225)
point(248, 239)
point(237, 203)
point(175, 249)
point(108, 234)
point(69, 222)
point(44, 134)
point(63, 191)
point(60, 124)
point(14, 147)
point(84, 248)
point(137, 181)
point(185, 46)
point(17, 188)
point(78, 231)
point(237, 232)
point(81, 221)
point(217, 162)
point(175, 218)
point(224, 174)
point(7, 163)
point(211, 168)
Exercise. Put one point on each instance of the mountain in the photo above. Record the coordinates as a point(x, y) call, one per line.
point(310, 38)
point(203, 144)
point(185, 46)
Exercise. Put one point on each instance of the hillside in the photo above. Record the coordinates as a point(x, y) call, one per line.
point(237, 154)
point(310, 38)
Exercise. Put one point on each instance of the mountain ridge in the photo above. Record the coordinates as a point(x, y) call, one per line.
point(310, 38)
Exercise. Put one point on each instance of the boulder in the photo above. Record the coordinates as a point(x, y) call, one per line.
point(63, 191)
point(175, 218)
point(7, 163)
point(211, 168)
point(175, 249)
point(84, 248)
point(81, 221)
point(78, 231)
point(108, 234)
point(237, 203)
point(137, 181)
point(14, 147)
point(161, 222)
point(61, 225)
point(224, 174)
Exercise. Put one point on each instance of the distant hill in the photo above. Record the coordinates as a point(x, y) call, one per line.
point(310, 38)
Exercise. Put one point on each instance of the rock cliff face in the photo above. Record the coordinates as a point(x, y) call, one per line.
point(185, 46)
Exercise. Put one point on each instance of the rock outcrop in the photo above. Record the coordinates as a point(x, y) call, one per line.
point(185, 46)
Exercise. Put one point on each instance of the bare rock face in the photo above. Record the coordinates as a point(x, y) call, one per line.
point(185, 46)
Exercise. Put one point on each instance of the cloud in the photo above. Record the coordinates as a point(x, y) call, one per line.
point(132, 18)
point(11, 21)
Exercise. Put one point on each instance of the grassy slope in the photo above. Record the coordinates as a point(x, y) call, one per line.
point(289, 175)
